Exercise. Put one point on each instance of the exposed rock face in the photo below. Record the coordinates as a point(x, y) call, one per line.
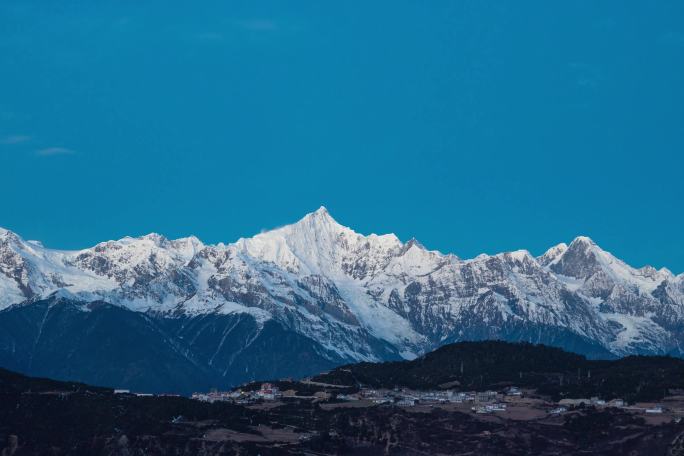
point(346, 296)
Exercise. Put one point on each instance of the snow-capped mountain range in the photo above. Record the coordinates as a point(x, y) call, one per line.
point(356, 297)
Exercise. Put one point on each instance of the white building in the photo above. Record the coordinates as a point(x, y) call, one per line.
point(268, 392)
point(406, 402)
point(513, 391)
point(616, 403)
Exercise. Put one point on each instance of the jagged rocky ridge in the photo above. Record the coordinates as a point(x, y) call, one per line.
point(335, 296)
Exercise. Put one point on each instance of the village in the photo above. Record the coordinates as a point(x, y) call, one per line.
point(511, 402)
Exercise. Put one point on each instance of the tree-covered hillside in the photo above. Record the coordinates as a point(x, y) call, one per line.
point(494, 364)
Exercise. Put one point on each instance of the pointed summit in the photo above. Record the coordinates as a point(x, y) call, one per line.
point(583, 240)
point(414, 242)
point(553, 254)
point(580, 260)
point(320, 214)
point(10, 237)
point(321, 211)
point(304, 245)
point(156, 238)
point(318, 221)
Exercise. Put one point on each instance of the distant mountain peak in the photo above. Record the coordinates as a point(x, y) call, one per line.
point(320, 218)
point(350, 290)
point(414, 242)
point(579, 260)
point(9, 235)
point(321, 211)
point(155, 237)
point(520, 255)
point(583, 240)
point(552, 254)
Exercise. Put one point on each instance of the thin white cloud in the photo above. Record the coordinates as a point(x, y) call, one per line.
point(248, 25)
point(52, 151)
point(259, 25)
point(15, 139)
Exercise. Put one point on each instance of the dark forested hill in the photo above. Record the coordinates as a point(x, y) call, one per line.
point(42, 416)
point(492, 364)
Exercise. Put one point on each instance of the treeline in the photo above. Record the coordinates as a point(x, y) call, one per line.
point(496, 364)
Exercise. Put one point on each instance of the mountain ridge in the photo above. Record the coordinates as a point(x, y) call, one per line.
point(355, 297)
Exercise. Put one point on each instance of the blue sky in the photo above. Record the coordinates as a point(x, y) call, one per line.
point(474, 126)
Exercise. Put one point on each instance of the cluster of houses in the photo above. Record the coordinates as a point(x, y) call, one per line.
point(651, 409)
point(490, 408)
point(595, 401)
point(267, 392)
point(128, 392)
point(489, 401)
point(483, 401)
point(405, 398)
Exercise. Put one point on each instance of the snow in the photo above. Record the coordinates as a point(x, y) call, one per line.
point(584, 239)
point(571, 283)
point(9, 292)
point(552, 255)
point(623, 273)
point(376, 318)
point(636, 332)
point(198, 305)
point(519, 255)
point(415, 261)
point(266, 277)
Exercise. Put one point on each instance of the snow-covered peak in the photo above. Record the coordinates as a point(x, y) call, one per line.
point(147, 239)
point(553, 254)
point(320, 212)
point(583, 240)
point(325, 279)
point(155, 237)
point(656, 274)
point(580, 260)
point(9, 236)
point(414, 243)
point(320, 222)
point(297, 246)
point(519, 255)
point(188, 246)
point(585, 260)
point(134, 254)
point(17, 244)
point(316, 244)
